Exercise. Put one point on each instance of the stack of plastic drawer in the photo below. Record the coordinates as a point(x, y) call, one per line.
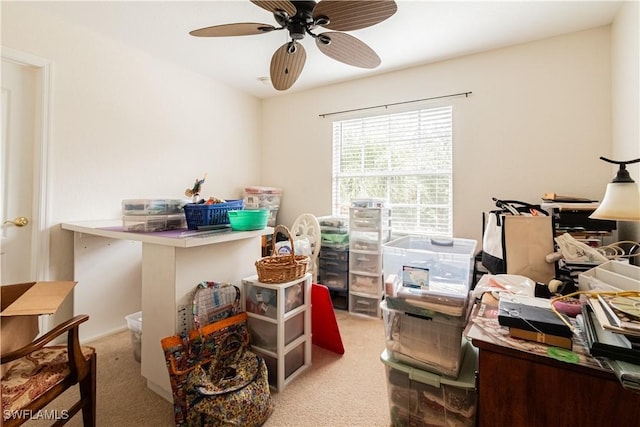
point(369, 229)
point(333, 260)
point(430, 366)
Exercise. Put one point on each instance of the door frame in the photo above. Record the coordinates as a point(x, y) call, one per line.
point(40, 219)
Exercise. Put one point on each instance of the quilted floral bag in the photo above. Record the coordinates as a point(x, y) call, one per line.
point(216, 380)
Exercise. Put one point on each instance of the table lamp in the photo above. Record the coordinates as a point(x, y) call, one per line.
point(621, 200)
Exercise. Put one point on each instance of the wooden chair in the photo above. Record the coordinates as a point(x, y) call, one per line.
point(39, 374)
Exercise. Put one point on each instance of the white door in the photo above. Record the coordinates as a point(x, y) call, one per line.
point(23, 229)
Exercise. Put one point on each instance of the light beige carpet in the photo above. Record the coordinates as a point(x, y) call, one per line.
point(337, 390)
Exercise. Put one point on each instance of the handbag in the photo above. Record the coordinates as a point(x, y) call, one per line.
point(216, 380)
point(516, 239)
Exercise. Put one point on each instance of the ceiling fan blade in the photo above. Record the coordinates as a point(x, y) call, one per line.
point(275, 5)
point(287, 66)
point(239, 29)
point(354, 14)
point(348, 49)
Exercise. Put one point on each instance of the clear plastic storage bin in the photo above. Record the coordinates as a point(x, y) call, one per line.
point(153, 223)
point(153, 206)
point(431, 341)
point(448, 260)
point(257, 197)
point(423, 399)
point(134, 322)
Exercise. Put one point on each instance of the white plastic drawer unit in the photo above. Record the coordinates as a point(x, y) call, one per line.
point(364, 305)
point(263, 300)
point(368, 219)
point(264, 334)
point(280, 325)
point(365, 262)
point(370, 284)
point(365, 241)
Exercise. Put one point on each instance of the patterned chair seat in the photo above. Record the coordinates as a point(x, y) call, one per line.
point(21, 385)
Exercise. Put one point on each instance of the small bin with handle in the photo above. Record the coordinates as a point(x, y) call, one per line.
point(201, 215)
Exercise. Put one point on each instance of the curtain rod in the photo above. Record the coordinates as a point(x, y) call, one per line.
point(465, 94)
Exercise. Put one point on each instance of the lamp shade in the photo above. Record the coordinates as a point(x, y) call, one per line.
point(621, 202)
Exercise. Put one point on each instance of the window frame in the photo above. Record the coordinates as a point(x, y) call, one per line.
point(441, 211)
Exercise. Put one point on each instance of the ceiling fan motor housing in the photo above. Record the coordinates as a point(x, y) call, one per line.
point(302, 22)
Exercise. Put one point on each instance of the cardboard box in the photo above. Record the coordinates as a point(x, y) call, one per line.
point(21, 305)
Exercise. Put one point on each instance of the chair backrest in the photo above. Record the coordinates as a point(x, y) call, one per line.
point(307, 226)
point(39, 373)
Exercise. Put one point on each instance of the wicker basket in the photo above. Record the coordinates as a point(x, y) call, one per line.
point(281, 268)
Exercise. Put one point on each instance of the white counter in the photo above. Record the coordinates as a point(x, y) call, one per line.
point(169, 267)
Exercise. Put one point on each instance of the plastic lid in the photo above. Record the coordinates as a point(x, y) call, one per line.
point(260, 190)
point(466, 377)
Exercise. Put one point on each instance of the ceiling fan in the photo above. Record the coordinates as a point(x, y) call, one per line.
point(302, 18)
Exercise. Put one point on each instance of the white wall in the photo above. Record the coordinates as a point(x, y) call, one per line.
point(126, 125)
point(625, 65)
point(538, 120)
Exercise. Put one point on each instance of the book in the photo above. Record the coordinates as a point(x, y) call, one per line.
point(604, 343)
point(532, 318)
point(548, 339)
point(605, 320)
point(623, 311)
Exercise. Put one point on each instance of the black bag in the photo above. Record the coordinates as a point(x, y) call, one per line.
point(516, 239)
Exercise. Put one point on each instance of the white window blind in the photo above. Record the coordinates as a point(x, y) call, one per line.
point(405, 158)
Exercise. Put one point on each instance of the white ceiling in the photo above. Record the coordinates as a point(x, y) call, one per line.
point(420, 32)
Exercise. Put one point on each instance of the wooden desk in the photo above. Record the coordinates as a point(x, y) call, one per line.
point(526, 387)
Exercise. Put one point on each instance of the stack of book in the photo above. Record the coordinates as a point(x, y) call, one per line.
point(532, 319)
point(612, 327)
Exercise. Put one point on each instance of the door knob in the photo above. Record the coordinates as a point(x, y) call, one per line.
point(20, 221)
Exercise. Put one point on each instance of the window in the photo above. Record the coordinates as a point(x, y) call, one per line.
point(405, 158)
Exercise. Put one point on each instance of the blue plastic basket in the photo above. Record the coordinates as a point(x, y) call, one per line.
point(201, 215)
